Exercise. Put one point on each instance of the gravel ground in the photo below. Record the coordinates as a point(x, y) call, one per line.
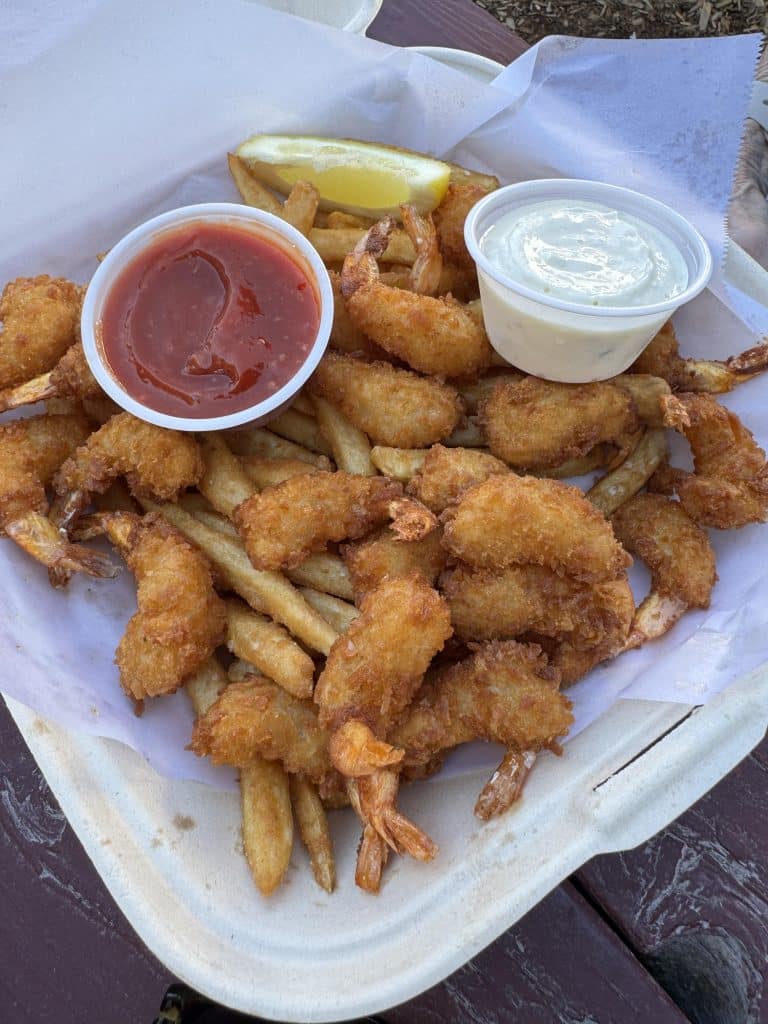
point(622, 18)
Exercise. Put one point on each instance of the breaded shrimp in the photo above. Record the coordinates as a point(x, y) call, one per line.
point(369, 679)
point(449, 221)
point(505, 692)
point(71, 377)
point(40, 316)
point(257, 718)
point(31, 451)
point(662, 358)
point(535, 423)
point(345, 336)
point(435, 336)
point(679, 556)
point(383, 555)
point(493, 604)
point(286, 523)
point(729, 485)
point(157, 463)
point(510, 520)
point(447, 472)
point(393, 407)
point(180, 620)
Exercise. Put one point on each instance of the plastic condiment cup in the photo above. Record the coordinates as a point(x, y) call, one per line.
point(567, 341)
point(269, 228)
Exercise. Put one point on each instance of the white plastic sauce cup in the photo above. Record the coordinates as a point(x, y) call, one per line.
point(567, 341)
point(268, 227)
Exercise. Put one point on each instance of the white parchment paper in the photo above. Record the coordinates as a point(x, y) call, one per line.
point(118, 111)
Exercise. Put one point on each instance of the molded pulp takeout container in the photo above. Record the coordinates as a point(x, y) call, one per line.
point(266, 226)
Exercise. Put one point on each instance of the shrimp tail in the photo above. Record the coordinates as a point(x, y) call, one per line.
point(372, 856)
point(36, 390)
point(506, 784)
point(38, 536)
point(376, 795)
point(655, 616)
point(360, 266)
point(356, 752)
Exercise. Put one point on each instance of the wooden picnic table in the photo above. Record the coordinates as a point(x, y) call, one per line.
point(673, 931)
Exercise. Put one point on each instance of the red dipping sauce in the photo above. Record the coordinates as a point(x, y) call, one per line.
point(209, 319)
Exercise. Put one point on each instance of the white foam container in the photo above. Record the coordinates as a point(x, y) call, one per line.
point(304, 955)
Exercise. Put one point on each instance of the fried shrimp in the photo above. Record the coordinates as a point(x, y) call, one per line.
point(729, 485)
point(285, 524)
point(662, 358)
point(535, 423)
point(383, 555)
point(393, 407)
point(40, 317)
point(71, 377)
point(156, 463)
point(505, 692)
point(511, 520)
point(493, 604)
point(345, 336)
point(180, 620)
point(31, 451)
point(678, 555)
point(449, 221)
point(447, 472)
point(369, 679)
point(432, 335)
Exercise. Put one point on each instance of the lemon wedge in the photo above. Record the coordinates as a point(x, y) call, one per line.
point(364, 178)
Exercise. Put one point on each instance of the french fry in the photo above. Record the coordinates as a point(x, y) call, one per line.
point(651, 395)
point(267, 822)
point(267, 592)
point(463, 176)
point(303, 403)
point(301, 429)
point(300, 206)
point(204, 687)
point(577, 467)
point(224, 483)
point(623, 483)
point(257, 441)
point(350, 446)
point(313, 827)
point(340, 614)
point(340, 219)
point(399, 463)
point(252, 192)
point(270, 648)
point(474, 394)
point(268, 472)
point(201, 509)
point(323, 571)
point(337, 243)
point(468, 436)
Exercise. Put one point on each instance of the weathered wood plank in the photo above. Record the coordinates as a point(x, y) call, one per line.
point(693, 902)
point(561, 964)
point(68, 954)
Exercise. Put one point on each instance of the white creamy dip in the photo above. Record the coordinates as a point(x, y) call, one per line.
point(586, 253)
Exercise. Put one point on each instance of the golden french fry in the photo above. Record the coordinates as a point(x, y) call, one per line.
point(340, 219)
point(225, 483)
point(577, 467)
point(205, 686)
point(300, 206)
point(265, 472)
point(399, 463)
point(313, 828)
point(468, 436)
point(301, 429)
point(323, 571)
point(303, 403)
point(267, 592)
point(350, 446)
point(340, 614)
point(623, 483)
point(337, 243)
point(257, 441)
point(649, 395)
point(463, 176)
point(267, 822)
point(252, 192)
point(201, 509)
point(474, 394)
point(269, 647)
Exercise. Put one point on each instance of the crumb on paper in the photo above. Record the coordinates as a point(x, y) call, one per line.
point(184, 822)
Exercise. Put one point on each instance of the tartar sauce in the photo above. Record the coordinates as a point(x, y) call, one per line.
point(586, 253)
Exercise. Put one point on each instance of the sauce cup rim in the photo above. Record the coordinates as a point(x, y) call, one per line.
point(140, 237)
point(616, 195)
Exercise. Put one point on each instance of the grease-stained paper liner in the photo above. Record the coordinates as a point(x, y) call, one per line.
point(129, 110)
